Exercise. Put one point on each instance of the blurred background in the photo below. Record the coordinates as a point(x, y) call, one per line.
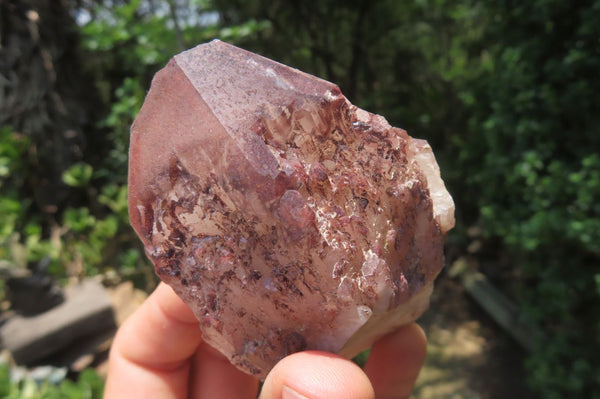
point(506, 92)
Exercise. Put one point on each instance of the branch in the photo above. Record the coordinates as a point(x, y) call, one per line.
point(178, 34)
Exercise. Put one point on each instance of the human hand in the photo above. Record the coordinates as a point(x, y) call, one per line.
point(159, 353)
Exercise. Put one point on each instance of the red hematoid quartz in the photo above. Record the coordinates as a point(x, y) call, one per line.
point(284, 216)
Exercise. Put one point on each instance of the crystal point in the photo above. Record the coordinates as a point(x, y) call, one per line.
point(284, 216)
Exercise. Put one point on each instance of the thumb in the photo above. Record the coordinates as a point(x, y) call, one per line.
point(316, 375)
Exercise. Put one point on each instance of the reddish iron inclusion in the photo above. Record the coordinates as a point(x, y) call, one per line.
point(284, 216)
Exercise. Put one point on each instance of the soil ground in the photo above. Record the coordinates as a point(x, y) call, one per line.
point(469, 355)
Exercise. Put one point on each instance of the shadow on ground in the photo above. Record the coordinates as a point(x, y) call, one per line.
point(469, 356)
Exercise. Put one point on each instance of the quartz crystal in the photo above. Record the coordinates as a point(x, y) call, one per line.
point(284, 216)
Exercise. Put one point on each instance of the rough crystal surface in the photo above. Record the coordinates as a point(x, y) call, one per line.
point(284, 216)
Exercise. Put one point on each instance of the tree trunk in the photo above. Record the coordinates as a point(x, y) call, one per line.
point(44, 93)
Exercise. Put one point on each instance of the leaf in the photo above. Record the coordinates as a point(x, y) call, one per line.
point(78, 175)
point(78, 219)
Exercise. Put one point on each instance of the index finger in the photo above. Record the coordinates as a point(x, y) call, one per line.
point(151, 351)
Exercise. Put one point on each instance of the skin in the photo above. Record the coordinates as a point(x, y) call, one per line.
point(159, 353)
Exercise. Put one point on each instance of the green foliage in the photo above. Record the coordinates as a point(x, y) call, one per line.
point(361, 358)
point(536, 170)
point(243, 30)
point(88, 386)
point(13, 208)
point(114, 196)
point(129, 37)
point(12, 148)
point(13, 172)
point(80, 243)
point(128, 101)
point(78, 175)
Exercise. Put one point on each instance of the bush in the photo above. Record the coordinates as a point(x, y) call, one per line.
point(535, 167)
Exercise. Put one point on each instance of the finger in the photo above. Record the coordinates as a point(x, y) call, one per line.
point(212, 376)
point(316, 375)
point(150, 354)
point(395, 362)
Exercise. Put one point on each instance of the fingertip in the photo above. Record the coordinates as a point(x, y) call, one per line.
point(316, 375)
point(150, 354)
point(396, 360)
point(171, 304)
point(409, 341)
point(162, 333)
point(210, 368)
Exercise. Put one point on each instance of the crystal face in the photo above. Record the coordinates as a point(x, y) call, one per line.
point(284, 216)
